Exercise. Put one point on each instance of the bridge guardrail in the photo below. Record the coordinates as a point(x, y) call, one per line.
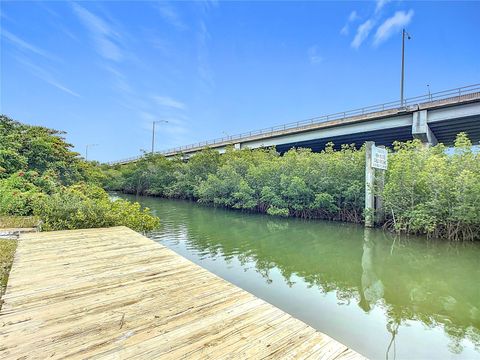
point(421, 99)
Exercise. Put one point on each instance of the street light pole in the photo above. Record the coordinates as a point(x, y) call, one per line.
point(86, 150)
point(403, 64)
point(153, 132)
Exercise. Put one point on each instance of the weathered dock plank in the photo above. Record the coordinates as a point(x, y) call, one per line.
point(113, 293)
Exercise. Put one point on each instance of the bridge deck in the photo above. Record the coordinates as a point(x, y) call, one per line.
point(113, 293)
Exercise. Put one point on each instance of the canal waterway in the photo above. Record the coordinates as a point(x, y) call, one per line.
point(386, 297)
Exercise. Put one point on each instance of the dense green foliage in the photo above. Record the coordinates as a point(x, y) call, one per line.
point(301, 183)
point(86, 206)
point(40, 175)
point(41, 150)
point(428, 190)
point(434, 191)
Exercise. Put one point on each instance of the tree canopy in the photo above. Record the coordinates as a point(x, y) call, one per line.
point(40, 175)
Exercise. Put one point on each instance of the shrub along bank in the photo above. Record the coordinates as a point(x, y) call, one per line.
point(300, 183)
point(435, 190)
point(40, 175)
point(428, 190)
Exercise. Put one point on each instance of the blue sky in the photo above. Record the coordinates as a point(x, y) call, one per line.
point(102, 71)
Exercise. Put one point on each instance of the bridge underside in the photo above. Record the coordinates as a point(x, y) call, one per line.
point(445, 132)
point(432, 122)
point(381, 137)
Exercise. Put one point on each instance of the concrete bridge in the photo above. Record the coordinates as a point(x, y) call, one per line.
point(432, 118)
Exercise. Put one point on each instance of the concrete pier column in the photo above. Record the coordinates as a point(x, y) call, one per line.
point(421, 130)
point(379, 178)
point(369, 185)
point(237, 146)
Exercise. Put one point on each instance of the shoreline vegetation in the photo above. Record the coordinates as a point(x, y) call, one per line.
point(41, 176)
point(43, 180)
point(432, 191)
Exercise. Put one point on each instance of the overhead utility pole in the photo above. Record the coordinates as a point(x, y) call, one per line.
point(404, 33)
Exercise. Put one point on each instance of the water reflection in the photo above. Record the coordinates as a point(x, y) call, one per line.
point(411, 283)
point(372, 288)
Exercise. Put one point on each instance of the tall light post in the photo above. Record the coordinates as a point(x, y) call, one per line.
point(404, 33)
point(429, 92)
point(86, 150)
point(153, 132)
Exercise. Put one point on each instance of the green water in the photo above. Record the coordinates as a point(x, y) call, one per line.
point(385, 297)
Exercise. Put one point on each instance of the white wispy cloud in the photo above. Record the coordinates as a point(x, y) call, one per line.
point(161, 44)
point(204, 70)
point(313, 55)
point(168, 13)
point(208, 5)
point(120, 82)
point(151, 108)
point(380, 4)
point(6, 17)
point(351, 18)
point(176, 130)
point(46, 76)
point(362, 33)
point(167, 101)
point(172, 133)
point(160, 107)
point(392, 25)
point(67, 32)
point(25, 46)
point(46, 8)
point(56, 19)
point(175, 126)
point(107, 40)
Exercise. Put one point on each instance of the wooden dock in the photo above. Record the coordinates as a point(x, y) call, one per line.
point(113, 293)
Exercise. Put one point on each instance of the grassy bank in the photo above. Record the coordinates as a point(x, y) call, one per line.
point(7, 250)
point(428, 190)
point(9, 245)
point(10, 222)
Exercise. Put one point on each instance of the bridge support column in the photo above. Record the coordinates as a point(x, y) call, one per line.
point(237, 146)
point(421, 130)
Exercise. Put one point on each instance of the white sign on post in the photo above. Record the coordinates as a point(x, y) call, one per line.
point(379, 158)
